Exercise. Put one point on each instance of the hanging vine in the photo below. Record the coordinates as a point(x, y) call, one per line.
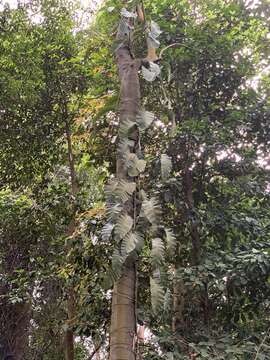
point(131, 213)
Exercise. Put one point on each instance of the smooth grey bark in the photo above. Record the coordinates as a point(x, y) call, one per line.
point(123, 315)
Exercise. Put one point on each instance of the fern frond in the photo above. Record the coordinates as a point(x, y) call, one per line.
point(106, 231)
point(171, 240)
point(157, 252)
point(119, 190)
point(139, 241)
point(157, 295)
point(110, 187)
point(123, 226)
point(166, 167)
point(142, 195)
point(129, 243)
point(167, 301)
point(132, 241)
point(134, 165)
point(127, 186)
point(151, 210)
point(113, 212)
point(117, 263)
point(144, 119)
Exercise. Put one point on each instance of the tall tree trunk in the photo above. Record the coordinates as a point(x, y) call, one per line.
point(14, 318)
point(194, 226)
point(123, 316)
point(123, 319)
point(182, 295)
point(14, 330)
point(178, 304)
point(69, 336)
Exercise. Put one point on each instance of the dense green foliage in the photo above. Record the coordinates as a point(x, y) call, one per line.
point(206, 176)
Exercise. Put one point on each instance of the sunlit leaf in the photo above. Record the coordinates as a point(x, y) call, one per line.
point(151, 73)
point(128, 14)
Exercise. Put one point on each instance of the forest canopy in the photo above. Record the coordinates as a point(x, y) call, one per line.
point(134, 180)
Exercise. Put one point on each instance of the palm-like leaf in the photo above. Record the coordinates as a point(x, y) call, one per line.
point(117, 263)
point(157, 295)
point(106, 231)
point(167, 301)
point(134, 165)
point(157, 252)
point(144, 119)
point(129, 242)
point(171, 241)
point(123, 226)
point(113, 212)
point(119, 190)
point(151, 210)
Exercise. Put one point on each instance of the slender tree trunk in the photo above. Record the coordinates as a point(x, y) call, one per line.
point(178, 305)
point(69, 336)
point(181, 294)
point(194, 227)
point(15, 323)
point(123, 319)
point(14, 318)
point(179, 301)
point(123, 316)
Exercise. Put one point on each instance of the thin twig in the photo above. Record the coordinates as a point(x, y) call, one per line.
point(167, 47)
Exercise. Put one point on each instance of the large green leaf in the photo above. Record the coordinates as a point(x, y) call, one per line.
point(134, 165)
point(144, 119)
point(106, 231)
point(171, 240)
point(157, 252)
point(131, 242)
point(151, 210)
point(113, 211)
point(157, 295)
point(119, 190)
point(117, 263)
point(123, 226)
